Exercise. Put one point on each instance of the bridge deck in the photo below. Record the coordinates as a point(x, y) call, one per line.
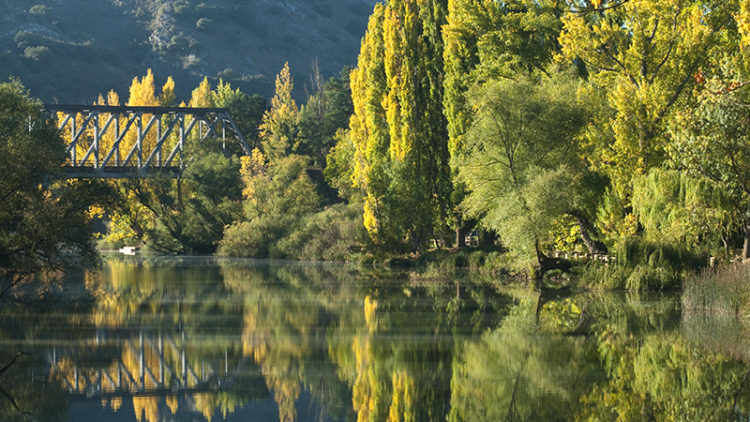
point(82, 108)
point(120, 172)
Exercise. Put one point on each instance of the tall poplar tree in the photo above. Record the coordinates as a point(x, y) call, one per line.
point(278, 130)
point(398, 128)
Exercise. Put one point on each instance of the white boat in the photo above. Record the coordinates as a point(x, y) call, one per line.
point(129, 250)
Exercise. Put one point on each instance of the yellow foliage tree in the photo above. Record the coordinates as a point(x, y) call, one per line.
point(253, 168)
point(642, 56)
point(202, 96)
point(278, 130)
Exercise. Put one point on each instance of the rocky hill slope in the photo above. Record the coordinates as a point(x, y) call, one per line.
point(71, 50)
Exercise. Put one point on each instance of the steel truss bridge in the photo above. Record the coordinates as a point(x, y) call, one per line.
point(133, 142)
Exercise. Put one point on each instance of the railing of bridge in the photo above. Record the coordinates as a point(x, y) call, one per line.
point(134, 141)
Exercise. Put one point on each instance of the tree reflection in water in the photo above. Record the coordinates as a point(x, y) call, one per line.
point(196, 338)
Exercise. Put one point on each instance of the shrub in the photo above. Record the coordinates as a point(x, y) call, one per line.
point(226, 74)
point(254, 238)
point(178, 43)
point(328, 235)
point(644, 277)
point(24, 39)
point(39, 9)
point(677, 258)
point(277, 197)
point(445, 263)
point(204, 24)
point(38, 53)
point(181, 7)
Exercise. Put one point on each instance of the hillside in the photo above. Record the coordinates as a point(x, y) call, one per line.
point(70, 50)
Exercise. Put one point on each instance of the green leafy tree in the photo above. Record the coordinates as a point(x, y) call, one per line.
point(339, 170)
point(521, 166)
point(489, 39)
point(44, 224)
point(325, 112)
point(277, 196)
point(673, 206)
point(188, 215)
point(712, 141)
point(246, 110)
point(641, 57)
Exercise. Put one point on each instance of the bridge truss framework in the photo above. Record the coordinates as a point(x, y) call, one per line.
point(87, 129)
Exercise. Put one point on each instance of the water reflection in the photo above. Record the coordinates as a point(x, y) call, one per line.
point(198, 339)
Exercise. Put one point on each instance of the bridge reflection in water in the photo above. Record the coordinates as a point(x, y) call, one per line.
point(155, 365)
point(134, 141)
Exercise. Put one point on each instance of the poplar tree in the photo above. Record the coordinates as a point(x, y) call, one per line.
point(202, 96)
point(278, 129)
point(398, 128)
point(142, 92)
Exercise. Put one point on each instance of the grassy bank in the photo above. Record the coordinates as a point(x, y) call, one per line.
point(722, 291)
point(439, 263)
point(634, 265)
point(641, 265)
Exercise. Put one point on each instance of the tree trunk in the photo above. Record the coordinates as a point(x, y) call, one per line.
point(548, 263)
point(486, 238)
point(746, 245)
point(460, 237)
point(587, 229)
point(725, 243)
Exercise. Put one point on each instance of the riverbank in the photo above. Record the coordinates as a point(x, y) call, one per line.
point(633, 265)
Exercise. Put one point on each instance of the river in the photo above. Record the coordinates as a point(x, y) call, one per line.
point(202, 339)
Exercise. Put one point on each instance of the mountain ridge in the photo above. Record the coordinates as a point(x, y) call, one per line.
point(71, 51)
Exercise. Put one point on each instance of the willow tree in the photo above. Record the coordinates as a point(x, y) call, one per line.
point(398, 128)
point(490, 39)
point(683, 208)
point(713, 141)
point(521, 165)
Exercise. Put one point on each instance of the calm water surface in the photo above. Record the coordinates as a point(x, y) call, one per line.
point(199, 339)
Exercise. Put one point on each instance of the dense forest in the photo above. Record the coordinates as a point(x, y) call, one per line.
point(613, 128)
